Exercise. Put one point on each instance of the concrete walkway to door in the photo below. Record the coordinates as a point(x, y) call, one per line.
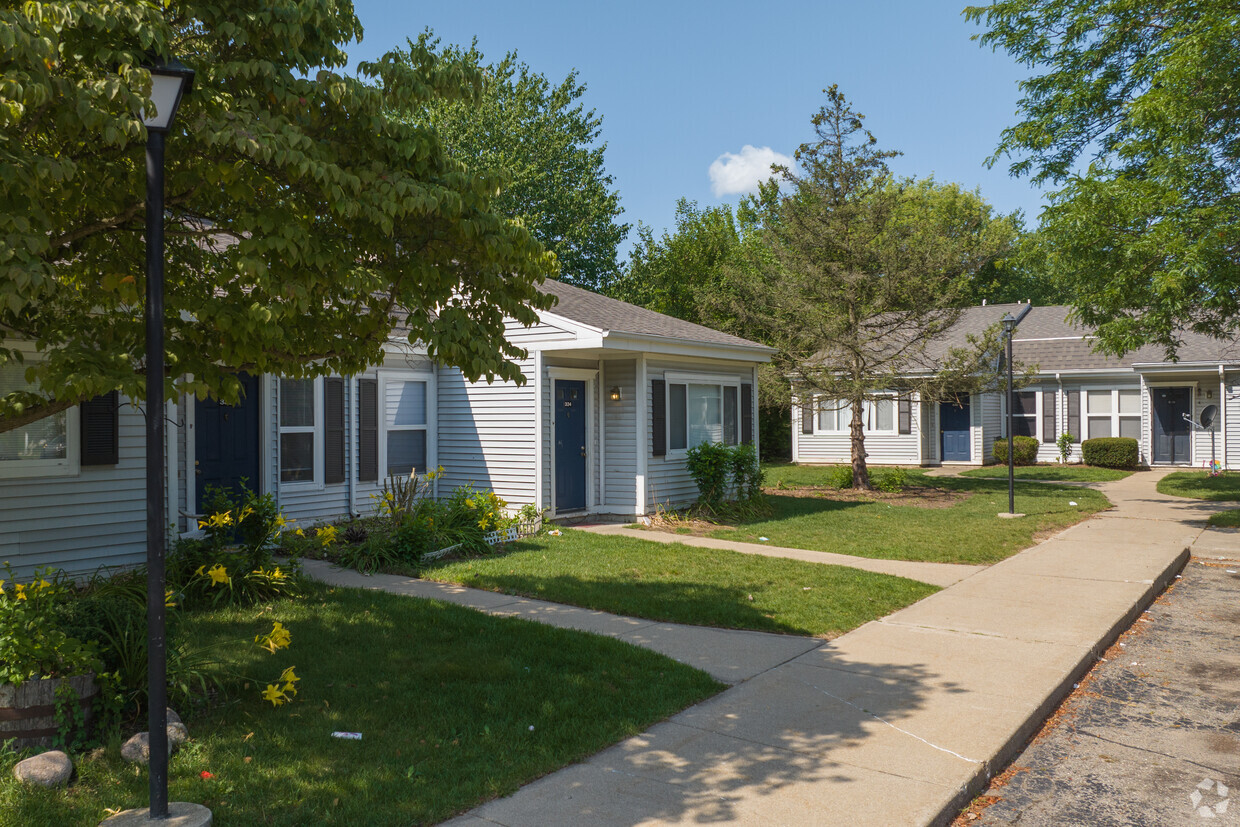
point(899, 722)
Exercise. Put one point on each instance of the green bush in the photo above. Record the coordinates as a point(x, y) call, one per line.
point(841, 476)
point(32, 642)
point(724, 474)
point(1026, 450)
point(890, 480)
point(1111, 452)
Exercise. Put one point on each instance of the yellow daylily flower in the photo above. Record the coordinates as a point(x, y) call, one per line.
point(277, 638)
point(287, 676)
point(218, 575)
point(272, 693)
point(21, 591)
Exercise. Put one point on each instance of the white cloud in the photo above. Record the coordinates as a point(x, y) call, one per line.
point(733, 173)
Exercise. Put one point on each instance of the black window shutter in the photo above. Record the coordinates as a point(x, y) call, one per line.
point(98, 426)
point(906, 414)
point(658, 417)
point(368, 430)
point(333, 430)
point(807, 416)
point(1048, 417)
point(746, 414)
point(1074, 415)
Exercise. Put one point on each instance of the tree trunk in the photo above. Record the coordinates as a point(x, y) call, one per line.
point(856, 430)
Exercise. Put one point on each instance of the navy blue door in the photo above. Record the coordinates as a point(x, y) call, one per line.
point(570, 444)
point(954, 427)
point(1171, 434)
point(226, 442)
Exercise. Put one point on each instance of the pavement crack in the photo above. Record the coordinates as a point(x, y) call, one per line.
point(1207, 767)
point(901, 730)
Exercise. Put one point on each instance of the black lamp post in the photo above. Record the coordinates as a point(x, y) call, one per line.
point(170, 81)
point(1009, 329)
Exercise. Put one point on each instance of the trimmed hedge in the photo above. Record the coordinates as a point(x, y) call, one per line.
point(1110, 452)
point(1026, 450)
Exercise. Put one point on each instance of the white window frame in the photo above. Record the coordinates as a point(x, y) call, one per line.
point(722, 381)
point(432, 435)
point(1037, 412)
point(841, 410)
point(316, 429)
point(68, 466)
point(869, 415)
point(1115, 416)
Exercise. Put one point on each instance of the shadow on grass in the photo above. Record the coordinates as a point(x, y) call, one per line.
point(773, 750)
point(697, 604)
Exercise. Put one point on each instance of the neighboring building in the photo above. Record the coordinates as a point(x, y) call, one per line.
point(614, 395)
point(1076, 391)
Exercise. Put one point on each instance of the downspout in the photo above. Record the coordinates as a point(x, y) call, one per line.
point(350, 436)
point(1222, 411)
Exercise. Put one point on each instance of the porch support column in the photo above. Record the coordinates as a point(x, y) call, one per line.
point(642, 430)
point(540, 431)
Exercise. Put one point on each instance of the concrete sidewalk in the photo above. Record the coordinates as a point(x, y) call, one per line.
point(901, 721)
point(937, 574)
point(728, 655)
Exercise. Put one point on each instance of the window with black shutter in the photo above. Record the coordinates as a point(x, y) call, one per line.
point(1074, 415)
point(1049, 398)
point(746, 414)
point(99, 431)
point(906, 415)
point(658, 417)
point(333, 430)
point(807, 416)
point(368, 430)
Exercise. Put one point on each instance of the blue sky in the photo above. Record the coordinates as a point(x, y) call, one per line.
point(680, 84)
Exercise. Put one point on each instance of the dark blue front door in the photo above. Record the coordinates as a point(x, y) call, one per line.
point(954, 427)
point(570, 444)
point(1171, 434)
point(226, 442)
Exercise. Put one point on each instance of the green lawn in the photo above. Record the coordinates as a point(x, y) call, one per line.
point(1051, 473)
point(455, 708)
point(686, 584)
point(966, 532)
point(1198, 485)
point(1225, 519)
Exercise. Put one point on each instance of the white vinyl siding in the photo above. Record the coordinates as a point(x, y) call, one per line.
point(486, 435)
point(81, 523)
point(620, 437)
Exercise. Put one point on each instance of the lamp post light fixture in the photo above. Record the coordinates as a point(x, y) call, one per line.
point(1009, 330)
point(171, 81)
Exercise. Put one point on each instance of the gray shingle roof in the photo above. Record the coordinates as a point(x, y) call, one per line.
point(605, 313)
point(1047, 339)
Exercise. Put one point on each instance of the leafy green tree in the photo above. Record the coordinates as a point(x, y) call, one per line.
point(546, 147)
point(669, 274)
point(306, 224)
point(1142, 95)
point(864, 275)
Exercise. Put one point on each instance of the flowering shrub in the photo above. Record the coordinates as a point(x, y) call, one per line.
point(32, 643)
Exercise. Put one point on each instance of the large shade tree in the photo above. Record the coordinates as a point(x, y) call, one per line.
point(547, 149)
point(1133, 111)
point(306, 222)
point(863, 274)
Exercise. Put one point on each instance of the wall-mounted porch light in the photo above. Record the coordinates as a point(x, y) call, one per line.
point(615, 394)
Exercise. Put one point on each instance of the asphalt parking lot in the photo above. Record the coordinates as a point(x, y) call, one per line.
point(1151, 736)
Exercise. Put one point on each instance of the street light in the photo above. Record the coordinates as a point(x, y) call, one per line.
point(1009, 329)
point(171, 80)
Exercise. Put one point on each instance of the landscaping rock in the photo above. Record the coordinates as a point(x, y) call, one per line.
point(47, 769)
point(138, 748)
point(177, 734)
point(173, 718)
